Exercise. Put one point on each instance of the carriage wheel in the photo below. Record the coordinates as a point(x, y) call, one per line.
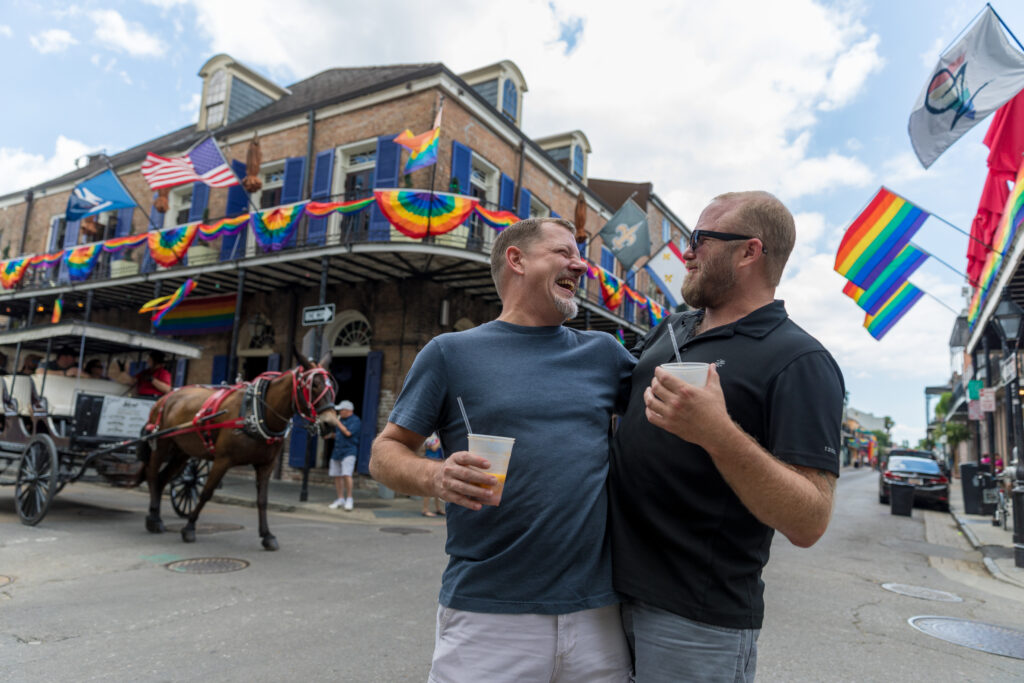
point(38, 476)
point(187, 486)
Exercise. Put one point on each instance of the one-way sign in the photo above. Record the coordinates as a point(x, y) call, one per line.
point(317, 315)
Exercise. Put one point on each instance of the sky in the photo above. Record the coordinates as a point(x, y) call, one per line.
point(807, 100)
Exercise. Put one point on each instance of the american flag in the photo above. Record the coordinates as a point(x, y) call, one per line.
point(203, 163)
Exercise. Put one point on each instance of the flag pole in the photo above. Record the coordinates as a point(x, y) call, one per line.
point(941, 302)
point(989, 5)
point(935, 215)
point(931, 255)
point(248, 197)
point(110, 166)
point(433, 171)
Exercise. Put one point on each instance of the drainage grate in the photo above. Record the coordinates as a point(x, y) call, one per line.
point(977, 635)
point(4, 580)
point(211, 528)
point(207, 565)
point(921, 592)
point(403, 530)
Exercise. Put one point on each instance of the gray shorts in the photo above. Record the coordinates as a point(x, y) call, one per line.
point(342, 468)
point(587, 646)
point(668, 647)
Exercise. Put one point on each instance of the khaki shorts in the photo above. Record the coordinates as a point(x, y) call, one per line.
point(342, 468)
point(587, 646)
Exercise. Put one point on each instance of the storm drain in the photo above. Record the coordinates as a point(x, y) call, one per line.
point(207, 565)
point(921, 592)
point(977, 635)
point(403, 530)
point(210, 528)
point(4, 580)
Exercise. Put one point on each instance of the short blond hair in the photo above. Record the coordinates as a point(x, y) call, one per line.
point(522, 235)
point(760, 214)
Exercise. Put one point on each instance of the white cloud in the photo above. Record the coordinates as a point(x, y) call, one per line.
point(115, 33)
point(5, 30)
point(902, 168)
point(20, 170)
point(125, 77)
point(52, 40)
point(192, 106)
point(852, 69)
point(814, 175)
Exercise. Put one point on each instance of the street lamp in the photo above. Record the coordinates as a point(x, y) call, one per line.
point(1008, 315)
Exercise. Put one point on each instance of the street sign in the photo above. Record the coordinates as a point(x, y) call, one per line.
point(317, 315)
point(974, 410)
point(988, 400)
point(1008, 368)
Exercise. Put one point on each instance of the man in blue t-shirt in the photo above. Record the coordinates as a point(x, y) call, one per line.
point(527, 594)
point(344, 452)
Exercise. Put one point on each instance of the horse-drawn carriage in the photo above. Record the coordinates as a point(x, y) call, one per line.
point(58, 429)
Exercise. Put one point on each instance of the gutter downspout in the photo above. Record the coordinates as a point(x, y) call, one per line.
point(29, 197)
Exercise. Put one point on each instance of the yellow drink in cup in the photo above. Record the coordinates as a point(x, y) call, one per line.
point(496, 450)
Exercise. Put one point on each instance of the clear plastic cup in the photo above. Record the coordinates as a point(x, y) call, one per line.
point(497, 450)
point(691, 373)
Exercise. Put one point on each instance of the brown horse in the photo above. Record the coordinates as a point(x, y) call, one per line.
point(241, 425)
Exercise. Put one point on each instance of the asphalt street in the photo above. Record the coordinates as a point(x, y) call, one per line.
point(352, 598)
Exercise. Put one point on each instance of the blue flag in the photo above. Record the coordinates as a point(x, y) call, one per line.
point(625, 234)
point(103, 192)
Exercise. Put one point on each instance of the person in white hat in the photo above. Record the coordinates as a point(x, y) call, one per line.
point(343, 455)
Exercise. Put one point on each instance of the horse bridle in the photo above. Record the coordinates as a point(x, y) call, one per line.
point(302, 390)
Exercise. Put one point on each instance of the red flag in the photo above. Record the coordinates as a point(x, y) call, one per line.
point(1005, 137)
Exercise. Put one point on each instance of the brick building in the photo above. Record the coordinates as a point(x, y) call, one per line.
point(330, 138)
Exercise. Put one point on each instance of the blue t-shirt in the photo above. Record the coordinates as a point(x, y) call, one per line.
point(544, 550)
point(346, 445)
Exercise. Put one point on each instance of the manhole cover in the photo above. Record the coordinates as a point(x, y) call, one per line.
point(921, 592)
point(977, 635)
point(207, 565)
point(4, 580)
point(403, 530)
point(211, 528)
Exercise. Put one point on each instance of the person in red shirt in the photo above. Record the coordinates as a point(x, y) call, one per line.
point(154, 380)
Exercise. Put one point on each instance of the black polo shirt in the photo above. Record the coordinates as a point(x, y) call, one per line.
point(681, 539)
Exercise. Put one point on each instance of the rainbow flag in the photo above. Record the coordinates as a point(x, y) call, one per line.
point(13, 270)
point(876, 236)
point(321, 209)
point(612, 290)
point(593, 272)
point(163, 305)
point(169, 246)
point(205, 315)
point(890, 313)
point(496, 219)
point(655, 313)
point(1002, 239)
point(58, 308)
point(636, 296)
point(81, 260)
point(416, 214)
point(423, 147)
point(46, 260)
point(116, 245)
point(888, 281)
point(620, 336)
point(223, 227)
point(274, 227)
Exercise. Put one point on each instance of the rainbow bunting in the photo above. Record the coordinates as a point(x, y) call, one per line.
point(636, 296)
point(58, 308)
point(81, 260)
point(321, 209)
point(163, 305)
point(12, 271)
point(612, 290)
point(889, 280)
point(46, 260)
point(169, 246)
point(116, 245)
point(876, 236)
point(592, 270)
point(890, 313)
point(205, 315)
point(496, 219)
point(1013, 216)
point(417, 214)
point(222, 228)
point(274, 227)
point(620, 336)
point(422, 148)
point(655, 313)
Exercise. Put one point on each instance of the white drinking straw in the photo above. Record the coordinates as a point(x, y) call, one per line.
point(675, 346)
point(469, 430)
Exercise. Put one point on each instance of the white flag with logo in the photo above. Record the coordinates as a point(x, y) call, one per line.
point(667, 270)
point(972, 79)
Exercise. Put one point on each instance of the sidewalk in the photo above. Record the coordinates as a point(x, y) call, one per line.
point(994, 543)
point(370, 507)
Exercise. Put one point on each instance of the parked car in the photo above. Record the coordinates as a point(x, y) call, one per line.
point(931, 455)
point(930, 482)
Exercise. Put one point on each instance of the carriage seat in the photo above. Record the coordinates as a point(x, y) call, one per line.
point(22, 394)
point(60, 391)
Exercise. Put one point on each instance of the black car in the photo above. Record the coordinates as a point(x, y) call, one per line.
point(931, 455)
point(930, 482)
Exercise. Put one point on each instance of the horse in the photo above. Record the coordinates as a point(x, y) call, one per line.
point(241, 425)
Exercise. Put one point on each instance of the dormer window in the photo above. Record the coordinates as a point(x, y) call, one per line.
point(216, 93)
point(502, 86)
point(510, 101)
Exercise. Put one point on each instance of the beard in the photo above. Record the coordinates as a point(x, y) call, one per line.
point(710, 286)
point(567, 307)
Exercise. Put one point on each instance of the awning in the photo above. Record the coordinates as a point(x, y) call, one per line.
point(99, 339)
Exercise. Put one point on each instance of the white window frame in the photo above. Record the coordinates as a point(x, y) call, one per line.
point(222, 102)
point(178, 199)
point(490, 185)
point(343, 166)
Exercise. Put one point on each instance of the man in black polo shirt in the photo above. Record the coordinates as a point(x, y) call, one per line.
point(701, 477)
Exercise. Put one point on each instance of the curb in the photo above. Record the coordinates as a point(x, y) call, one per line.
point(989, 563)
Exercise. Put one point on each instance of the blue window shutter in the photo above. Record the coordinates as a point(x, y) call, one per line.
point(156, 222)
point(124, 222)
point(555, 214)
point(608, 260)
point(220, 369)
point(385, 174)
point(180, 371)
point(629, 311)
point(524, 203)
point(238, 203)
point(323, 171)
point(70, 241)
point(51, 246)
point(462, 160)
point(371, 401)
point(200, 198)
point(292, 188)
point(273, 362)
point(506, 193)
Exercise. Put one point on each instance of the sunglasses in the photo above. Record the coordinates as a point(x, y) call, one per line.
point(697, 237)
